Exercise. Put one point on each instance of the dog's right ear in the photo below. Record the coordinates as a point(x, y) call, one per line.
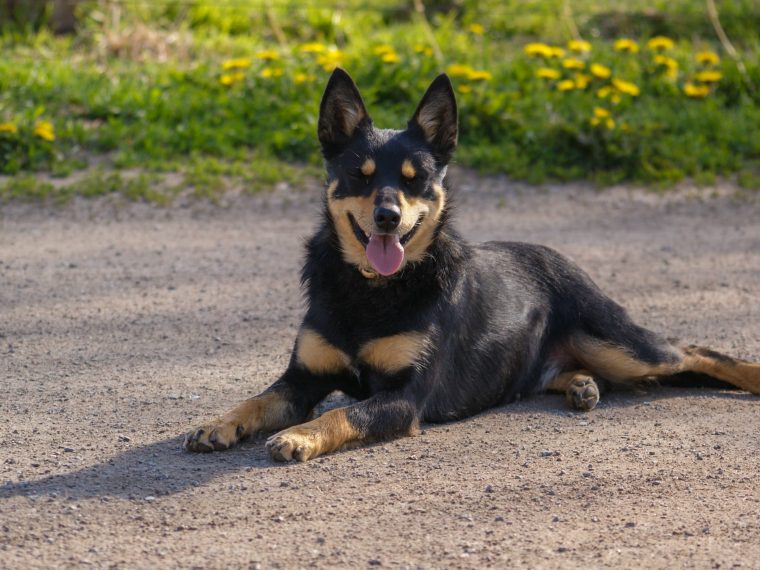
point(341, 112)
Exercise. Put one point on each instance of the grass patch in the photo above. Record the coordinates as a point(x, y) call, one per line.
point(226, 93)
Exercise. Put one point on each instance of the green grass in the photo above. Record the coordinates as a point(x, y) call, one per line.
point(150, 92)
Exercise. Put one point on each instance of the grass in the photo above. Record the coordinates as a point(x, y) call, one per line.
point(226, 93)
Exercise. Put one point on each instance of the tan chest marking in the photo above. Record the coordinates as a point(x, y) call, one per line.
point(317, 355)
point(394, 353)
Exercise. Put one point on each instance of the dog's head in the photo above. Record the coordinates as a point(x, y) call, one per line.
point(385, 193)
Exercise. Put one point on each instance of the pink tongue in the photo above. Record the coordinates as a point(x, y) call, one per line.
point(385, 253)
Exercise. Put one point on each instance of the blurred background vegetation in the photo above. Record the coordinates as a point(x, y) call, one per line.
point(148, 98)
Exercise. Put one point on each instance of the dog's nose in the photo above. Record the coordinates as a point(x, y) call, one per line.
point(387, 218)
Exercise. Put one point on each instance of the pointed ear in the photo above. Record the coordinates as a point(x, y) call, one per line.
point(436, 117)
point(341, 111)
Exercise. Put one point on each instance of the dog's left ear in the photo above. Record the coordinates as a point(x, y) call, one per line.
point(341, 112)
point(436, 116)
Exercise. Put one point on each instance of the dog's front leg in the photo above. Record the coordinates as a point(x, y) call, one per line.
point(288, 401)
point(384, 415)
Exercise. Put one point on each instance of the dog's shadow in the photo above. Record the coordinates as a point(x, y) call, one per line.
point(165, 468)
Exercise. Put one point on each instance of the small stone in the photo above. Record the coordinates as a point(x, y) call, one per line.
point(150, 499)
point(489, 489)
point(630, 524)
point(68, 449)
point(375, 562)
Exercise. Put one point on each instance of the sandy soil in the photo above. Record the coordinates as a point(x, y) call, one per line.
point(122, 326)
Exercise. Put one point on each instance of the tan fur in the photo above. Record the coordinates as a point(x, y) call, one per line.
point(368, 168)
point(407, 169)
point(328, 432)
point(429, 117)
point(579, 388)
point(393, 353)
point(317, 355)
point(616, 364)
point(266, 412)
point(416, 248)
point(361, 209)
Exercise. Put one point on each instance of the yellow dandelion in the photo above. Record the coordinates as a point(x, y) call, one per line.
point(696, 91)
point(601, 112)
point(626, 45)
point(707, 58)
point(383, 49)
point(44, 130)
point(709, 76)
point(464, 88)
point(670, 64)
point(269, 72)
point(228, 79)
point(615, 98)
point(479, 75)
point(8, 128)
point(267, 55)
point(547, 73)
point(538, 49)
point(302, 78)
point(626, 87)
point(660, 43)
point(602, 116)
point(609, 123)
point(238, 63)
point(579, 46)
point(390, 57)
point(556, 52)
point(604, 92)
point(477, 29)
point(330, 59)
point(566, 85)
point(600, 71)
point(573, 63)
point(312, 47)
point(459, 70)
point(582, 80)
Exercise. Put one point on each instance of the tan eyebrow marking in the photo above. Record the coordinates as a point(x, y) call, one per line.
point(368, 168)
point(407, 169)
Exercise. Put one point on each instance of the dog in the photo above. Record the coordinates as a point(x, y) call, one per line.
point(419, 326)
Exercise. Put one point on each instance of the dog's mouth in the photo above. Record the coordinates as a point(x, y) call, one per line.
point(385, 252)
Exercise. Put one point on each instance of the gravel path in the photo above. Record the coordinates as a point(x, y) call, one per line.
point(122, 326)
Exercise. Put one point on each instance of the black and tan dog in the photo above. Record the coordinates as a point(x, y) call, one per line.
point(418, 325)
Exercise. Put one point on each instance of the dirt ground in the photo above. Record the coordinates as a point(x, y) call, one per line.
point(123, 326)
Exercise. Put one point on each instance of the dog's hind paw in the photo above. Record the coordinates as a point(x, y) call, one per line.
point(216, 436)
point(582, 393)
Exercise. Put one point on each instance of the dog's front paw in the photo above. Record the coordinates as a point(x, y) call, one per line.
point(297, 443)
point(216, 436)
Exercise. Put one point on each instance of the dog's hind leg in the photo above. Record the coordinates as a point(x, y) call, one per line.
point(580, 388)
point(648, 356)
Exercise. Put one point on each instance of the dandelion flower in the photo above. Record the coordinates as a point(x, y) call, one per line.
point(600, 71)
point(709, 76)
point(383, 49)
point(419, 48)
point(707, 58)
point(573, 63)
point(601, 112)
point(670, 64)
point(604, 92)
point(602, 115)
point(229, 79)
point(477, 29)
point(8, 128)
point(459, 70)
point(269, 72)
point(45, 130)
point(627, 45)
point(302, 78)
point(566, 85)
point(390, 57)
point(582, 80)
point(696, 91)
point(579, 46)
point(660, 43)
point(538, 49)
point(479, 75)
point(312, 47)
point(239, 63)
point(464, 88)
point(330, 59)
point(267, 55)
point(547, 73)
point(626, 87)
